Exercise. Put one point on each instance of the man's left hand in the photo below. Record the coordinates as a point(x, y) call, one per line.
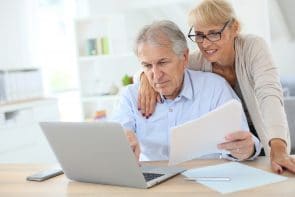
point(240, 144)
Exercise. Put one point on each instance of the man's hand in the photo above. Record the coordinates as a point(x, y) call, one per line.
point(132, 139)
point(280, 159)
point(240, 145)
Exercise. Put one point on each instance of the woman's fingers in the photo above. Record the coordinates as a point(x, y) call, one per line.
point(143, 105)
point(280, 159)
point(152, 106)
point(281, 162)
point(139, 101)
point(147, 106)
point(276, 167)
point(147, 98)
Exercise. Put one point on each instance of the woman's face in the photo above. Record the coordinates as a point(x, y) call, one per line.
point(216, 50)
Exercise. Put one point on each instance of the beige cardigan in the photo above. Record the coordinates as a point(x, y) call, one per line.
point(260, 86)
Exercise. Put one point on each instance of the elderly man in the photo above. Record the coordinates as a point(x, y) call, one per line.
point(186, 95)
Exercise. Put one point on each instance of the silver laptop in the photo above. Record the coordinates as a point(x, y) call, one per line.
point(98, 152)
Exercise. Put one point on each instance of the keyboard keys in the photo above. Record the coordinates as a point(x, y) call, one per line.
point(151, 176)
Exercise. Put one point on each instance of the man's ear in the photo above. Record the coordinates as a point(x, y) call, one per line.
point(185, 57)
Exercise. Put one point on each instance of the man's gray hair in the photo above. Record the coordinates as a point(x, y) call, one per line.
point(162, 33)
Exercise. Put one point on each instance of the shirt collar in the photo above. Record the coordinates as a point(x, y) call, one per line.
point(187, 89)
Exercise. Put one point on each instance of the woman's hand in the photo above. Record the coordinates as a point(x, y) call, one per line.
point(147, 97)
point(280, 159)
point(240, 145)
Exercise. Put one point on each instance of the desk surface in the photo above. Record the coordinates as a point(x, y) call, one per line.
point(13, 183)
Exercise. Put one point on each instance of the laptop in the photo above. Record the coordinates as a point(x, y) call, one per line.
point(98, 152)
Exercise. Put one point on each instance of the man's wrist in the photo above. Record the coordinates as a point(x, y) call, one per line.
point(254, 151)
point(257, 147)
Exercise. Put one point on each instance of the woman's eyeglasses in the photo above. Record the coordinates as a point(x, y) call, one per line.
point(199, 37)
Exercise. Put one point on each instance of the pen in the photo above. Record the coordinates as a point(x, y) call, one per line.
point(207, 178)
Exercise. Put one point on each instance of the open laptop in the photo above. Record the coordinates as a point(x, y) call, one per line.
point(98, 152)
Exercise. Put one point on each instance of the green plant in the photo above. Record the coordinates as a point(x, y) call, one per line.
point(126, 80)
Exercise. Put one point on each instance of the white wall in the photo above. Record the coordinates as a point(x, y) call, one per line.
point(17, 25)
point(16, 35)
point(284, 57)
point(283, 43)
point(18, 22)
point(253, 15)
point(287, 7)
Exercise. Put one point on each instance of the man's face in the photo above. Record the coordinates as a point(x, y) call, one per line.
point(163, 68)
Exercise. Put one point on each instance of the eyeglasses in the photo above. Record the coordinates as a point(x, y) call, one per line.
point(199, 37)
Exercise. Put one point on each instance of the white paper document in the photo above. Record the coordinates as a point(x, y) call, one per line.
point(241, 177)
point(200, 137)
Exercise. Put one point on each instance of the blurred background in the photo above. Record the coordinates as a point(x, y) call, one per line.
point(67, 60)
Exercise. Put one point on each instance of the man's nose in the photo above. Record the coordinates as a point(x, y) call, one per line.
point(157, 72)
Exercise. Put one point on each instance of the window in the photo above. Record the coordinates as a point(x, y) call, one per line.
point(56, 44)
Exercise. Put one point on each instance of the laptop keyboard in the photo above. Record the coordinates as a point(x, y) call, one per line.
point(151, 176)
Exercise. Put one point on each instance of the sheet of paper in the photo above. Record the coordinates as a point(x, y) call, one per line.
point(242, 177)
point(200, 137)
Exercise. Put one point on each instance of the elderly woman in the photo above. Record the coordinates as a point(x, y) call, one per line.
point(246, 63)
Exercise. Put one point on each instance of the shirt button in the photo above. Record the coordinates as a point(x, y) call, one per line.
point(170, 110)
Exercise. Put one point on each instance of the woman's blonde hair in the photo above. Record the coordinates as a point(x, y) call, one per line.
point(213, 12)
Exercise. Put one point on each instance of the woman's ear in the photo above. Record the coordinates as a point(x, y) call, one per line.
point(235, 27)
